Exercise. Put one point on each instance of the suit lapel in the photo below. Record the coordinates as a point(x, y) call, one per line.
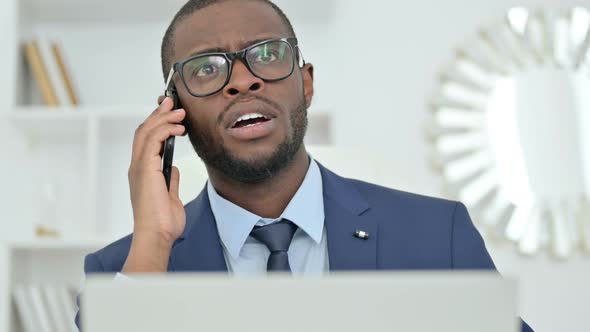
point(199, 248)
point(343, 207)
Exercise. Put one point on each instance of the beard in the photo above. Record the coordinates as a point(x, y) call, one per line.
point(256, 168)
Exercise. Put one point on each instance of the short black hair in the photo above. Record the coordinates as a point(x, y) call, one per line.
point(192, 6)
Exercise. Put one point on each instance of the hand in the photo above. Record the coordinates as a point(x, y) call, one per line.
point(159, 216)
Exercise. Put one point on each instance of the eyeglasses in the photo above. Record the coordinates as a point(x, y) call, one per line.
point(270, 60)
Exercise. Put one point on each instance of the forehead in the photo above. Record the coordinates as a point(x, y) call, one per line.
point(228, 25)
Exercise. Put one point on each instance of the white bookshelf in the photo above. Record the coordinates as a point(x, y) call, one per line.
point(85, 135)
point(54, 262)
point(86, 148)
point(111, 48)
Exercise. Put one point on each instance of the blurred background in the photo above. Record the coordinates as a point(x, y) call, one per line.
point(485, 102)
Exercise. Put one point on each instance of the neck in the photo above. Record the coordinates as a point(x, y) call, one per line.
point(267, 198)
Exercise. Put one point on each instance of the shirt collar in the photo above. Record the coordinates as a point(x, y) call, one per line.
point(306, 210)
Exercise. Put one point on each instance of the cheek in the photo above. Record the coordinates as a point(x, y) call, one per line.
point(295, 101)
point(200, 124)
point(204, 124)
point(290, 95)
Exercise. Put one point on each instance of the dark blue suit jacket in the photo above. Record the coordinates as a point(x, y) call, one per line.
point(407, 232)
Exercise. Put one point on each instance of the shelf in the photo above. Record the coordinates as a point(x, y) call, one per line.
point(46, 113)
point(54, 126)
point(71, 124)
point(59, 244)
point(69, 112)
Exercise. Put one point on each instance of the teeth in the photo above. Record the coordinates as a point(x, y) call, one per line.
point(249, 116)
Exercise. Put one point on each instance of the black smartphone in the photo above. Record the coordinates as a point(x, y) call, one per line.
point(168, 150)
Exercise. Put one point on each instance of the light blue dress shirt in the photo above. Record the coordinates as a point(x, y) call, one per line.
point(308, 253)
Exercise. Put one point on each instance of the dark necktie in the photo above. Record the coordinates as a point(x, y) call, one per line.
point(277, 238)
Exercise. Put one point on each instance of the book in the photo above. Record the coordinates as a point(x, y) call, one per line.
point(40, 73)
point(61, 307)
point(44, 44)
point(39, 308)
point(23, 305)
point(64, 74)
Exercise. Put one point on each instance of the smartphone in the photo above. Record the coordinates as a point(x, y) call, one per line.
point(168, 150)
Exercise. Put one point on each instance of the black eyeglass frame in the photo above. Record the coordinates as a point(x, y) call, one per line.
point(241, 55)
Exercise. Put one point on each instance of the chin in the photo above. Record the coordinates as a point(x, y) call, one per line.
point(261, 147)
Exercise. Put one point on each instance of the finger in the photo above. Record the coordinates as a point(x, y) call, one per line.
point(174, 183)
point(158, 119)
point(155, 139)
point(161, 99)
point(164, 106)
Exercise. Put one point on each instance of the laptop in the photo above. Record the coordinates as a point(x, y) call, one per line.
point(388, 301)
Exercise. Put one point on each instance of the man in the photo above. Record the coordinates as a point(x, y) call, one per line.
point(267, 205)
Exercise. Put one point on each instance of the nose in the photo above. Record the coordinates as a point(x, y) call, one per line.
point(242, 81)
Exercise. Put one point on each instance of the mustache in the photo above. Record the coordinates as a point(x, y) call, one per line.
point(264, 100)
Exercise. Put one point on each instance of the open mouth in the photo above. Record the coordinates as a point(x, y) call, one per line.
point(249, 120)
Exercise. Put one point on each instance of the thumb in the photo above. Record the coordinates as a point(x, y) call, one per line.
point(174, 183)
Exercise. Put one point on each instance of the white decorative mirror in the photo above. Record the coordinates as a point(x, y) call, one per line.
point(510, 128)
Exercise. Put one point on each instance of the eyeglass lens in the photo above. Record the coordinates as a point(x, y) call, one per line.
point(270, 61)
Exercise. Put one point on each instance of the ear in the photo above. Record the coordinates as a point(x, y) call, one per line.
point(307, 75)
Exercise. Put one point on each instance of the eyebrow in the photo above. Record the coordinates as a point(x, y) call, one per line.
point(224, 50)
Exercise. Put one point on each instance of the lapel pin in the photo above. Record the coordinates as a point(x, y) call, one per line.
point(361, 235)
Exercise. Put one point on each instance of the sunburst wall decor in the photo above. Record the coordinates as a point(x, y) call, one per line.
point(510, 128)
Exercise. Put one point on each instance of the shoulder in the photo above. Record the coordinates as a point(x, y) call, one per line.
point(381, 197)
point(422, 231)
point(418, 216)
point(391, 207)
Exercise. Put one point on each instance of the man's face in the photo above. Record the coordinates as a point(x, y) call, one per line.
point(254, 153)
